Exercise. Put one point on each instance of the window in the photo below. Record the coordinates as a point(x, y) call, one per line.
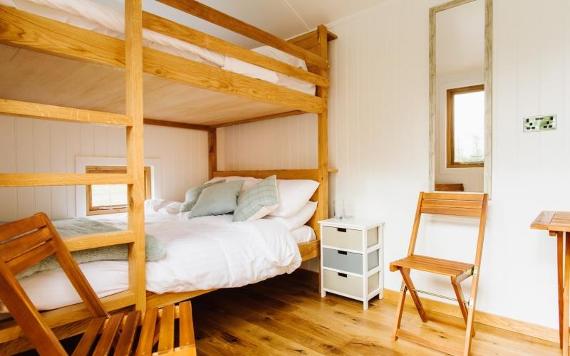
point(111, 198)
point(466, 127)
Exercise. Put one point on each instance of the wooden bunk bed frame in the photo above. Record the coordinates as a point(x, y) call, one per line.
point(31, 32)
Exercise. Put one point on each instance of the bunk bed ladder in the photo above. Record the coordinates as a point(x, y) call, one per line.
point(132, 120)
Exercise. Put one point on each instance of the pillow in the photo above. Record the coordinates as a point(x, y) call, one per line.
point(217, 199)
point(248, 182)
point(193, 194)
point(258, 201)
point(294, 194)
point(299, 219)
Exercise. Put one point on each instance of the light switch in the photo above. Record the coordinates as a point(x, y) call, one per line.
point(539, 123)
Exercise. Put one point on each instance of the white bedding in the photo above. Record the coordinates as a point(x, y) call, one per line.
point(93, 16)
point(202, 253)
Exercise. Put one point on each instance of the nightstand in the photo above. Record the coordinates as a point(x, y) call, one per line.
point(352, 259)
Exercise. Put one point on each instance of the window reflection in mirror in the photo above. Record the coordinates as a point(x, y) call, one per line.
point(460, 98)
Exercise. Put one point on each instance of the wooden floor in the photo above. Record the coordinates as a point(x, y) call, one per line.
point(282, 317)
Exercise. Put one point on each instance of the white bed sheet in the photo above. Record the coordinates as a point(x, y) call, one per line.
point(107, 20)
point(203, 253)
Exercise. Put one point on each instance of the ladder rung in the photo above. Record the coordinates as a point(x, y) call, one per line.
point(85, 242)
point(57, 179)
point(52, 112)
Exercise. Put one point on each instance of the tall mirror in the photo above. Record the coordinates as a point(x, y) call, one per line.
point(460, 95)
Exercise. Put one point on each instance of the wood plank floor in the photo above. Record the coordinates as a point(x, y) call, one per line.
point(283, 317)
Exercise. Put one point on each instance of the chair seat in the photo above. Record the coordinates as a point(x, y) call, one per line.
point(117, 332)
point(433, 265)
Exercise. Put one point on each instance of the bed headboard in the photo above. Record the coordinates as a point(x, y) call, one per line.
point(312, 174)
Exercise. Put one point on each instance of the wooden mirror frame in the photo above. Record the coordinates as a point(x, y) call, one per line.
point(487, 82)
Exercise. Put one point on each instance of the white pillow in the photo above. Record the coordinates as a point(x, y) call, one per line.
point(248, 182)
point(299, 219)
point(294, 194)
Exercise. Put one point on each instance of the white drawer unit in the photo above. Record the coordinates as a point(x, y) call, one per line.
point(352, 259)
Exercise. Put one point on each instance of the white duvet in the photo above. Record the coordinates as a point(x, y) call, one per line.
point(202, 253)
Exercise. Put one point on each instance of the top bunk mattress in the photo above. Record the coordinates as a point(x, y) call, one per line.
point(109, 20)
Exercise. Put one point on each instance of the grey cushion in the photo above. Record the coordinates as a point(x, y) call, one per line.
point(193, 194)
point(217, 199)
point(258, 201)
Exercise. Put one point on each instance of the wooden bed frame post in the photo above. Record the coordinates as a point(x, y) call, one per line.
point(323, 136)
point(135, 154)
point(212, 152)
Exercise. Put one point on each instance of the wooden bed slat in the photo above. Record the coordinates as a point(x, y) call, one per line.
point(52, 112)
point(186, 34)
point(84, 242)
point(58, 179)
point(214, 16)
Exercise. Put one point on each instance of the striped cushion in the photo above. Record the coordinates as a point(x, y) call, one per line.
point(258, 201)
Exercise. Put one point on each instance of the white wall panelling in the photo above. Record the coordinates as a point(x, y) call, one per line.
point(379, 141)
point(28, 145)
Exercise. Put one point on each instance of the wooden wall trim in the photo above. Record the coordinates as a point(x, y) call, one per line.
point(214, 16)
point(179, 125)
point(260, 118)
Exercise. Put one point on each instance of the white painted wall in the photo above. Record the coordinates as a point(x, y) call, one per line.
point(379, 141)
point(28, 145)
point(472, 178)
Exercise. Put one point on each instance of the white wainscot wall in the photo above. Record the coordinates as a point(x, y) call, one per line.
point(28, 145)
point(379, 141)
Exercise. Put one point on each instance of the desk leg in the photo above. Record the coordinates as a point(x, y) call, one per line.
point(560, 268)
point(566, 295)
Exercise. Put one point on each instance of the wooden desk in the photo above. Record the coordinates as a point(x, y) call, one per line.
point(557, 223)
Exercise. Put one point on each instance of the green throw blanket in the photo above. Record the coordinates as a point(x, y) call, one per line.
point(154, 250)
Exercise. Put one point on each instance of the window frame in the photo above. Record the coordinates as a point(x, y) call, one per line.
point(450, 141)
point(113, 209)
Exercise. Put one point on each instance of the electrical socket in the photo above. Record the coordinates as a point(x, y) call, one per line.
point(539, 123)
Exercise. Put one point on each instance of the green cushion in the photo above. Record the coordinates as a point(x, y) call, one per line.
point(193, 194)
point(258, 201)
point(217, 199)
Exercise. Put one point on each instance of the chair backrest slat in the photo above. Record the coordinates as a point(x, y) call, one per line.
point(452, 204)
point(24, 243)
point(10, 249)
point(31, 257)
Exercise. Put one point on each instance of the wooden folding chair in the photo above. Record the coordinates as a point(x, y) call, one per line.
point(457, 204)
point(26, 242)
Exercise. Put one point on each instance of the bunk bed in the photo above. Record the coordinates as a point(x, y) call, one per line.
point(178, 92)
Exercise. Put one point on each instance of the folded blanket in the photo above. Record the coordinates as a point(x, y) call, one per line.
point(154, 250)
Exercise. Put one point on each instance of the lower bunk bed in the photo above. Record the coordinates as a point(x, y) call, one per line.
point(200, 255)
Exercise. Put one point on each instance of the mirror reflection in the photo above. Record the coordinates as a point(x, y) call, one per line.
point(460, 103)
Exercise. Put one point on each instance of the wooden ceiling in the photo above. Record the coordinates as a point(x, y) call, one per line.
point(37, 77)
